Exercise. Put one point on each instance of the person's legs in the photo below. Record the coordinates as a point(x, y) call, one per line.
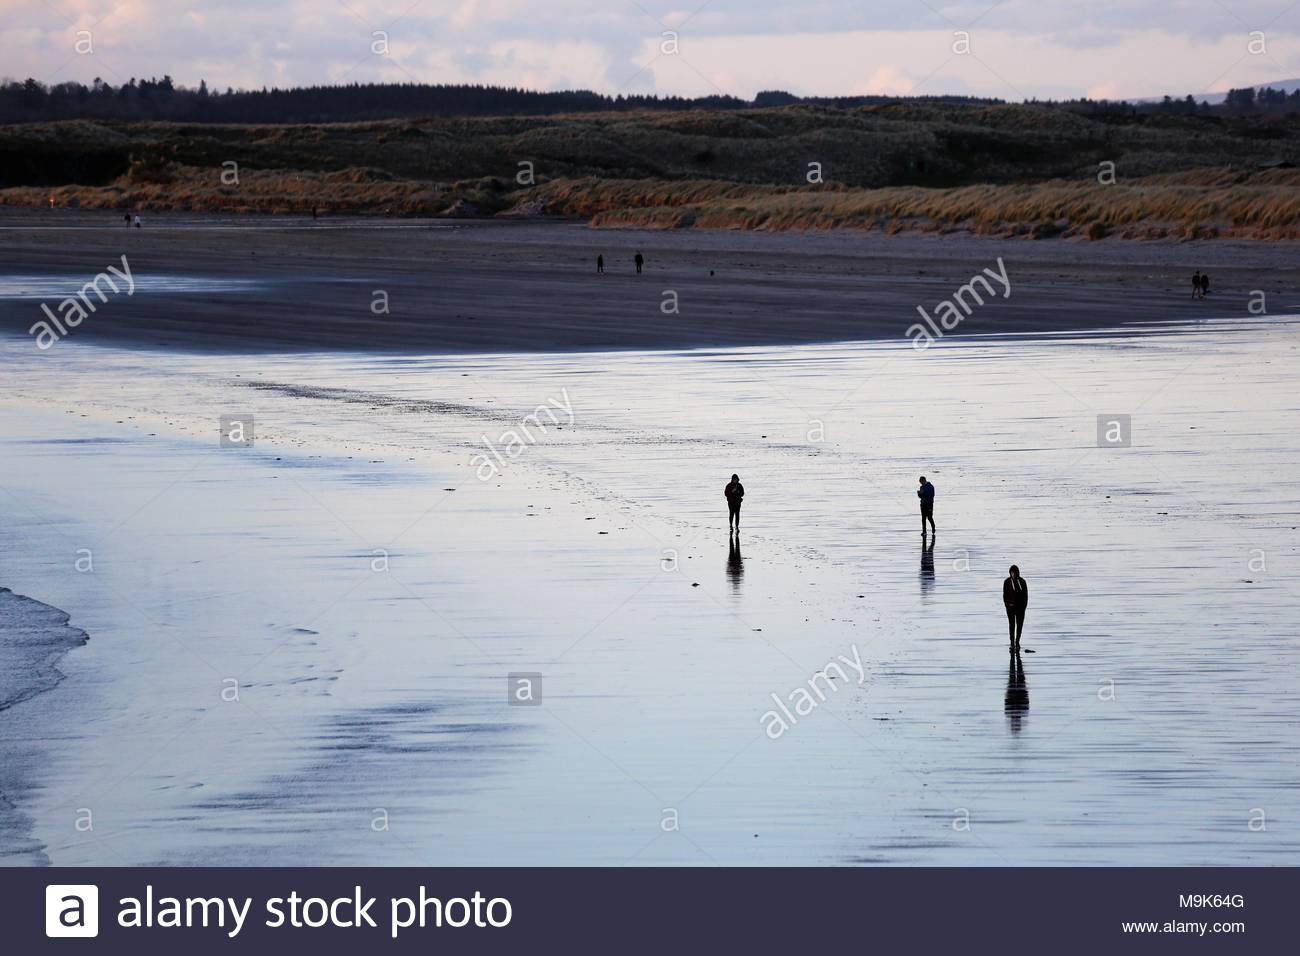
point(1011, 626)
point(930, 515)
point(1020, 624)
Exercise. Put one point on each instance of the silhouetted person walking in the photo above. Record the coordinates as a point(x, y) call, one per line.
point(735, 493)
point(1196, 284)
point(1015, 597)
point(640, 261)
point(1017, 702)
point(1205, 284)
point(600, 265)
point(926, 494)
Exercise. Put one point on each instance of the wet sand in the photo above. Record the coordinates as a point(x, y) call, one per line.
point(33, 640)
point(294, 284)
point(1155, 715)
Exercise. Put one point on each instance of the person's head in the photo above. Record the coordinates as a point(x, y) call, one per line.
point(1015, 571)
point(922, 479)
point(735, 477)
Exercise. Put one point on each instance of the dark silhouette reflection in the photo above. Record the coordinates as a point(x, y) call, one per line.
point(1017, 693)
point(735, 564)
point(927, 567)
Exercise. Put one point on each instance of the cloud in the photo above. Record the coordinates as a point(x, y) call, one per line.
point(886, 81)
point(1029, 48)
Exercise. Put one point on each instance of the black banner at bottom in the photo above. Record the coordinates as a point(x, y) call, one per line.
point(143, 911)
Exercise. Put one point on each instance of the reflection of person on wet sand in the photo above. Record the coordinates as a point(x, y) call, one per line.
point(735, 493)
point(927, 565)
point(1015, 598)
point(1017, 704)
point(735, 563)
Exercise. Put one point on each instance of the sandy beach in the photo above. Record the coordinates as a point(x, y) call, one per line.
point(280, 283)
point(301, 650)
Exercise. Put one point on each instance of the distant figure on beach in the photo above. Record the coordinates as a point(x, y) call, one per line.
point(1015, 598)
point(926, 494)
point(1017, 701)
point(1196, 284)
point(136, 222)
point(126, 218)
point(1205, 284)
point(640, 261)
point(313, 212)
point(600, 265)
point(735, 493)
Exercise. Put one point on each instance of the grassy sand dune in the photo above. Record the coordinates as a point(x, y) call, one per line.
point(1008, 169)
point(1198, 204)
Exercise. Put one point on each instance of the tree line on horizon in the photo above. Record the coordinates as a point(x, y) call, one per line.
point(162, 99)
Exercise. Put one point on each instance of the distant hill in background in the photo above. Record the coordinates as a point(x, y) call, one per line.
point(1040, 170)
point(1170, 168)
point(1216, 99)
point(155, 99)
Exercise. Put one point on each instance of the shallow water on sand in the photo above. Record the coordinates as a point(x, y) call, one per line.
point(55, 286)
point(368, 614)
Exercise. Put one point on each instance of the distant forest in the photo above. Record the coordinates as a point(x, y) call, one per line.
point(161, 99)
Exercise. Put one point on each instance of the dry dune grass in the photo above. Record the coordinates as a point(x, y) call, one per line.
point(1193, 204)
point(1007, 170)
point(1197, 203)
point(192, 189)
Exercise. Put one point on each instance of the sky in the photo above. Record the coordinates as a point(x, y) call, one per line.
point(1017, 49)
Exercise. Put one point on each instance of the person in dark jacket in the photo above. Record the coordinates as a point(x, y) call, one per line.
point(1015, 598)
point(600, 264)
point(735, 493)
point(1196, 284)
point(1205, 284)
point(640, 261)
point(926, 494)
